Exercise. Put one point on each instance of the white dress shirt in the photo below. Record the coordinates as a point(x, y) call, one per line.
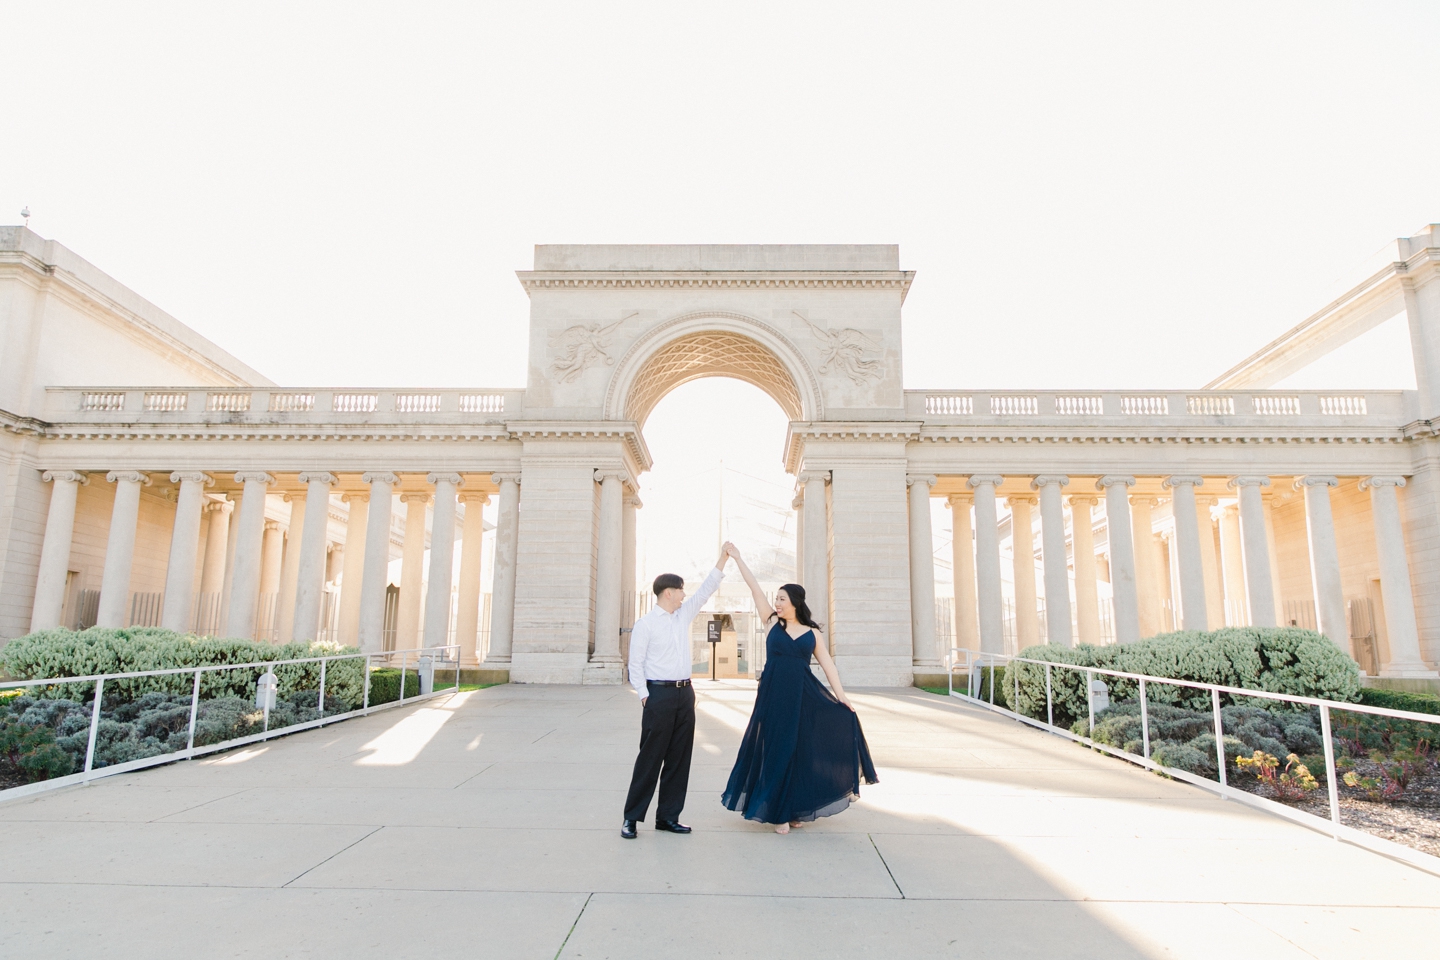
point(660, 641)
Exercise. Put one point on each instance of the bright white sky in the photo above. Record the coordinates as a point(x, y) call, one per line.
point(1098, 195)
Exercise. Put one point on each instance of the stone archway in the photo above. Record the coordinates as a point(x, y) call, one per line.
point(711, 345)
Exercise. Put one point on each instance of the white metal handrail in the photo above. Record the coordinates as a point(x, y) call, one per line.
point(974, 663)
point(445, 654)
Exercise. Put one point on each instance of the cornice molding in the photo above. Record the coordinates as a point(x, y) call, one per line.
point(533, 280)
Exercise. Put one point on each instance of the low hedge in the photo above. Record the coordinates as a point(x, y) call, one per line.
point(1400, 700)
point(78, 653)
point(1273, 659)
point(385, 685)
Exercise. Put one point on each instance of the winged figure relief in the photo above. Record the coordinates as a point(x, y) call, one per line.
point(844, 350)
point(581, 346)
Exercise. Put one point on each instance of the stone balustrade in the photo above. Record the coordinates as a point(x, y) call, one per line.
point(278, 405)
point(1207, 408)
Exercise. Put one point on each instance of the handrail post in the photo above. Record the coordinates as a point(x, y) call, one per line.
point(457, 669)
point(1330, 786)
point(404, 662)
point(1049, 701)
point(365, 699)
point(94, 725)
point(194, 712)
point(320, 707)
point(1144, 720)
point(1219, 735)
point(269, 668)
point(1090, 699)
point(1015, 704)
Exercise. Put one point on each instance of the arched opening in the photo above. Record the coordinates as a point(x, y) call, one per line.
point(717, 475)
point(711, 353)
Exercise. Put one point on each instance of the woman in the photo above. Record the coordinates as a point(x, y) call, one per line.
point(803, 752)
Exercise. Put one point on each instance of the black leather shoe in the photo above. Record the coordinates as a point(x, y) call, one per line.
point(673, 826)
point(627, 830)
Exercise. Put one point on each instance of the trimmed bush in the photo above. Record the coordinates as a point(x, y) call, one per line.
point(1277, 660)
point(78, 653)
point(385, 685)
point(1400, 700)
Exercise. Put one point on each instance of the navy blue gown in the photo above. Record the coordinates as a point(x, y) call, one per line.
point(803, 753)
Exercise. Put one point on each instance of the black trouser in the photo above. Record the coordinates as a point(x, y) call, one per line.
point(667, 737)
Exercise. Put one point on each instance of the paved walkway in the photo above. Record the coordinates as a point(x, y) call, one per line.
point(486, 826)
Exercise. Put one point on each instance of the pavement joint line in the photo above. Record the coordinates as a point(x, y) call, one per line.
point(474, 775)
point(571, 932)
point(331, 857)
point(876, 847)
point(1230, 908)
point(188, 809)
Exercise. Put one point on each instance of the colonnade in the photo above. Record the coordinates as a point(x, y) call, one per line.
point(979, 604)
point(238, 540)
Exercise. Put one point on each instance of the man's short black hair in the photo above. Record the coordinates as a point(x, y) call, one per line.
point(667, 580)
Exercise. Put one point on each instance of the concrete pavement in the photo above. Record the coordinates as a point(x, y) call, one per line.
point(486, 825)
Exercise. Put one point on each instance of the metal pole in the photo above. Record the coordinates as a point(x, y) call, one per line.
point(365, 699)
point(1144, 720)
point(404, 662)
point(457, 669)
point(1049, 704)
point(1015, 706)
point(194, 712)
point(270, 668)
point(1090, 699)
point(94, 724)
point(1219, 734)
point(320, 707)
point(992, 682)
point(1330, 785)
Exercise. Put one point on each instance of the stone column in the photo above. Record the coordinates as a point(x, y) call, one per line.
point(231, 538)
point(502, 594)
point(1399, 600)
point(922, 574)
point(989, 601)
point(1195, 615)
point(272, 549)
point(816, 579)
point(798, 505)
point(1232, 559)
point(962, 550)
point(627, 564)
point(212, 578)
point(371, 632)
point(1259, 588)
point(1210, 564)
point(245, 582)
point(442, 559)
point(120, 547)
point(49, 604)
point(1147, 564)
point(1087, 598)
point(472, 542)
point(310, 570)
point(1267, 502)
point(1325, 560)
point(290, 570)
point(179, 606)
point(1022, 536)
point(609, 555)
point(1052, 549)
point(352, 574)
point(1123, 589)
point(412, 570)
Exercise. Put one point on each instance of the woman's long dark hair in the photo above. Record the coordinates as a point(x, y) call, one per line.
point(796, 593)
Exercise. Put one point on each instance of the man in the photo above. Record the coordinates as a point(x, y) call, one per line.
point(660, 672)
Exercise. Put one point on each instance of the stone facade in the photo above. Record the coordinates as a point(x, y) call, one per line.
point(173, 478)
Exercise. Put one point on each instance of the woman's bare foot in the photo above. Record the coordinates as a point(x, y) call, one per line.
point(783, 828)
point(797, 823)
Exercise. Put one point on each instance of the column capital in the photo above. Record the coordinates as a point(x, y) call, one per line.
point(454, 478)
point(929, 479)
point(1369, 482)
point(809, 475)
point(1083, 500)
point(602, 475)
point(1026, 500)
point(1177, 479)
point(254, 476)
point(1148, 500)
point(1237, 482)
point(1044, 481)
point(379, 476)
point(129, 476)
point(473, 496)
point(634, 502)
point(219, 506)
point(355, 497)
point(271, 526)
point(799, 502)
point(413, 496)
point(978, 479)
point(69, 476)
point(329, 479)
point(192, 476)
point(505, 477)
point(1111, 480)
point(1315, 481)
point(959, 499)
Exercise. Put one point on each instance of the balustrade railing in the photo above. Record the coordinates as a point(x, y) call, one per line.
point(1388, 406)
point(166, 404)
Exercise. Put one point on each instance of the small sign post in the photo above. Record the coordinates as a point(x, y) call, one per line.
point(712, 634)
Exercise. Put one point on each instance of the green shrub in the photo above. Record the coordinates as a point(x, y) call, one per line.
point(32, 751)
point(1400, 700)
point(385, 685)
point(76, 653)
point(1277, 660)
